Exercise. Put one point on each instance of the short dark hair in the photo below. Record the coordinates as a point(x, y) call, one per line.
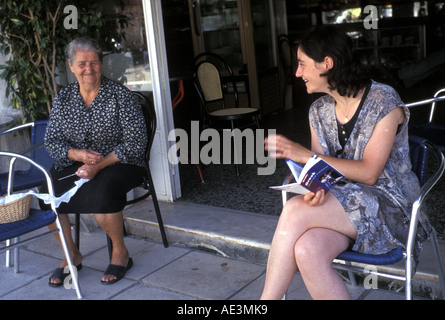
point(347, 75)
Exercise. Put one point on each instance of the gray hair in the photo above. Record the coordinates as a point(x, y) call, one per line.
point(79, 44)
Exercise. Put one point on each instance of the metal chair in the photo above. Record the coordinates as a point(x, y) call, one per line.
point(147, 184)
point(151, 122)
point(432, 131)
point(355, 262)
point(215, 83)
point(37, 219)
point(32, 177)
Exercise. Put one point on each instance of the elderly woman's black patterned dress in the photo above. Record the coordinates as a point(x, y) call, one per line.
point(113, 122)
point(379, 213)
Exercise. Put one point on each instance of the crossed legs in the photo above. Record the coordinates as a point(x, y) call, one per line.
point(308, 239)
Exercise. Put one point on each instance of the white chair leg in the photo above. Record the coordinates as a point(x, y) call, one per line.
point(439, 265)
point(409, 276)
point(73, 270)
point(285, 296)
point(9, 254)
point(16, 257)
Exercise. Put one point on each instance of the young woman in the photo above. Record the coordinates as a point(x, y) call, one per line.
point(360, 128)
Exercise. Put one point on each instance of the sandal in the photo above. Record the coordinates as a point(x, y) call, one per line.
point(60, 274)
point(117, 271)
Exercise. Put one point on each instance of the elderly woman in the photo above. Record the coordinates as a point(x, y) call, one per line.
point(361, 128)
point(97, 131)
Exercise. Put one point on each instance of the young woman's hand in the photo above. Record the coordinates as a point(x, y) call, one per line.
point(315, 199)
point(281, 147)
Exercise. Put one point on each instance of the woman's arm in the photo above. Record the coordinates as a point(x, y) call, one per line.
point(90, 169)
point(86, 156)
point(366, 170)
point(132, 142)
point(134, 131)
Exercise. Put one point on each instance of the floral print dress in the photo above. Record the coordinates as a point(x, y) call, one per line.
point(380, 213)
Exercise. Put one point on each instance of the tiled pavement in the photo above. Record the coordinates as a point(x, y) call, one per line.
point(232, 266)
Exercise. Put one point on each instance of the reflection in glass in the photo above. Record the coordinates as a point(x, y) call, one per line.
point(220, 30)
point(129, 63)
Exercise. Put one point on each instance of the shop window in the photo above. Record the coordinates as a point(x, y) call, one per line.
point(125, 56)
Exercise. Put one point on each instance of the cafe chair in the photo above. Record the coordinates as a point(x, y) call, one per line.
point(20, 224)
point(218, 92)
point(355, 262)
point(433, 132)
point(31, 177)
point(147, 184)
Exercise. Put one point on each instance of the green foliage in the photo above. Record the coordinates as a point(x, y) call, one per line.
point(33, 35)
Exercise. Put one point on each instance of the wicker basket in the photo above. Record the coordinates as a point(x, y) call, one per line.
point(15, 210)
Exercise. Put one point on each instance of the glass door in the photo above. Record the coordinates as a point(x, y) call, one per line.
point(217, 30)
point(264, 37)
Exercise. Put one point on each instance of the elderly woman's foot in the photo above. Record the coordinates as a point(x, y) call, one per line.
point(59, 275)
point(119, 265)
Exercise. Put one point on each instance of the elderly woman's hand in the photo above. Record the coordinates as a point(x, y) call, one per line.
point(86, 156)
point(88, 171)
point(91, 157)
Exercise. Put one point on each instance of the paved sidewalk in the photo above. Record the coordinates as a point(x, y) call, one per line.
point(231, 268)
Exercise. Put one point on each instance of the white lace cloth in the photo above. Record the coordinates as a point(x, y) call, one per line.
point(47, 198)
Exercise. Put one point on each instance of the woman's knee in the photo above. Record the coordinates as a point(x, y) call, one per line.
point(293, 206)
point(318, 247)
point(296, 214)
point(307, 255)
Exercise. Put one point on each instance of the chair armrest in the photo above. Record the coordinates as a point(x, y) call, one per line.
point(433, 102)
point(30, 124)
point(15, 156)
point(26, 125)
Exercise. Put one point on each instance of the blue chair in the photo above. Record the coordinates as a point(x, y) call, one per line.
point(355, 262)
point(12, 231)
point(32, 177)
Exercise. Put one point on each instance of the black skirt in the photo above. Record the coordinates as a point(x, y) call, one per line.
point(106, 193)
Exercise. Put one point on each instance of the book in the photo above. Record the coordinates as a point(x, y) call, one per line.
point(315, 175)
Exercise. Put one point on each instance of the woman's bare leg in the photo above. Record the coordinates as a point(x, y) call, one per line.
point(314, 252)
point(296, 218)
point(112, 224)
